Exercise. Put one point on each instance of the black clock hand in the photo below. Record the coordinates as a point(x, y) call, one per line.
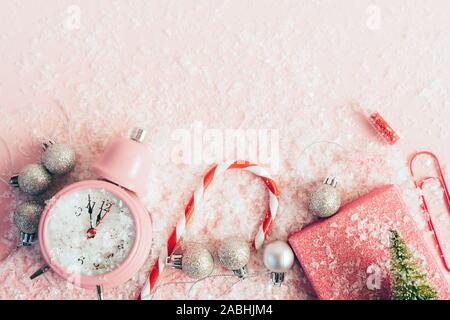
point(90, 208)
point(99, 215)
point(90, 219)
point(107, 210)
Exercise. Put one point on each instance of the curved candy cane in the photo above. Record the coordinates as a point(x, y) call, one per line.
point(194, 207)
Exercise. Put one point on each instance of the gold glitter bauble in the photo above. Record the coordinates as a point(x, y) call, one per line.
point(58, 158)
point(197, 261)
point(324, 201)
point(234, 254)
point(27, 215)
point(34, 179)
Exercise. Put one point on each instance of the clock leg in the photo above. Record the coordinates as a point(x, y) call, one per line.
point(39, 272)
point(99, 292)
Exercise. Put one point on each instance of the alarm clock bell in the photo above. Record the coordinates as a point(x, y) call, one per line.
point(125, 162)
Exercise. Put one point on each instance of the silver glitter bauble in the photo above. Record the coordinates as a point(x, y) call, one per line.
point(197, 262)
point(27, 215)
point(58, 158)
point(234, 254)
point(34, 179)
point(278, 256)
point(324, 201)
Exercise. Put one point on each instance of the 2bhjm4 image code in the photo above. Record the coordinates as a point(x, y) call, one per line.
point(250, 310)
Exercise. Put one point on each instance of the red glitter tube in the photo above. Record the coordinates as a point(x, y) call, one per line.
point(383, 128)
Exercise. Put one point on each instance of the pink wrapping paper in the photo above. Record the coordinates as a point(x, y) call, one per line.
point(347, 256)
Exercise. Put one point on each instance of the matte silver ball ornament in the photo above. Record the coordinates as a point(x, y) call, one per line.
point(234, 254)
point(34, 179)
point(59, 159)
point(278, 256)
point(325, 201)
point(197, 261)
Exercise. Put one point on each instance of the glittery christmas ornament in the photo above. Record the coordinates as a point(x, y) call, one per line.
point(278, 258)
point(26, 217)
point(58, 158)
point(196, 261)
point(34, 179)
point(234, 255)
point(325, 200)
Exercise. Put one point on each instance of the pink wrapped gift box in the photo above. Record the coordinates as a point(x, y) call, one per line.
point(347, 256)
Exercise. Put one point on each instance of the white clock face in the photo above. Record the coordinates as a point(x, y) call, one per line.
point(90, 232)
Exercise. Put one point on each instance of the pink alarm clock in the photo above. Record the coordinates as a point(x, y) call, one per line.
point(97, 233)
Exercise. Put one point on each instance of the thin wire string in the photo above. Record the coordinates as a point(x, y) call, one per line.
point(64, 112)
point(348, 151)
point(322, 141)
point(196, 282)
point(167, 284)
point(10, 160)
point(66, 126)
point(251, 275)
point(210, 276)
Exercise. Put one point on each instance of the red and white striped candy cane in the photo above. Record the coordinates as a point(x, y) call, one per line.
point(194, 207)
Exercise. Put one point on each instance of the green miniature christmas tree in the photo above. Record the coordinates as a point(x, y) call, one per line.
point(408, 280)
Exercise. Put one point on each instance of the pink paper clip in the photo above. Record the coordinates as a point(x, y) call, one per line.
point(419, 185)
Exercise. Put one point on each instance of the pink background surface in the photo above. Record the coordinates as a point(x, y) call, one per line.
point(293, 66)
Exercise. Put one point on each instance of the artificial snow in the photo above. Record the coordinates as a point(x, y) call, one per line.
point(295, 67)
